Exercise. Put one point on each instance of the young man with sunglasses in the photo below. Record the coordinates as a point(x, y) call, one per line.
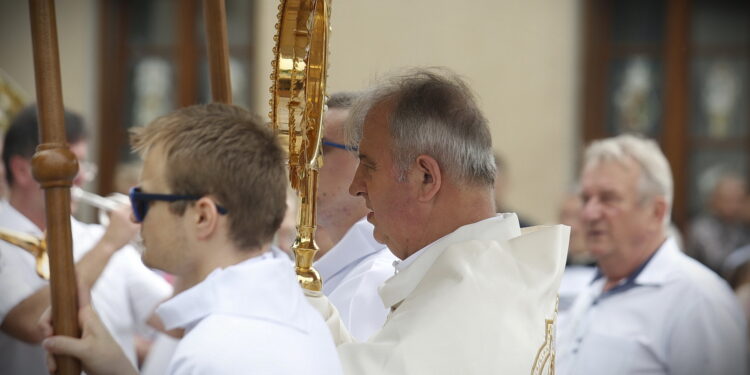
point(353, 265)
point(212, 195)
point(125, 292)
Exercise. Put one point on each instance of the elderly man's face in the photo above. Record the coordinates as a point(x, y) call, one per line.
point(390, 201)
point(334, 203)
point(616, 221)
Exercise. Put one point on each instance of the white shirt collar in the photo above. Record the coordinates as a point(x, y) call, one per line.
point(260, 287)
point(500, 227)
point(401, 265)
point(653, 273)
point(357, 243)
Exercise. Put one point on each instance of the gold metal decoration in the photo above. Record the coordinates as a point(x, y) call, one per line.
point(297, 102)
point(544, 363)
point(35, 246)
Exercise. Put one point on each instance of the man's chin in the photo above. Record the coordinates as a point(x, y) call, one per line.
point(598, 252)
point(379, 237)
point(151, 263)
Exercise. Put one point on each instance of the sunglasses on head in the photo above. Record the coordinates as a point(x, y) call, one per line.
point(140, 202)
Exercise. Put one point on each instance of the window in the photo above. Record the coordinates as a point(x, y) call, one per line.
point(677, 71)
point(153, 60)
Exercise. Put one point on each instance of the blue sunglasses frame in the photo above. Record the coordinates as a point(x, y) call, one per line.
point(139, 202)
point(339, 145)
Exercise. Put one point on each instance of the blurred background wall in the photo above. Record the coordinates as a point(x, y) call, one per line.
point(550, 75)
point(520, 57)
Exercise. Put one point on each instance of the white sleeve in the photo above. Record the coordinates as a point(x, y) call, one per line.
point(358, 301)
point(707, 338)
point(339, 332)
point(18, 278)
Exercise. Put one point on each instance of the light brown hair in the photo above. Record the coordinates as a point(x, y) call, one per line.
point(224, 151)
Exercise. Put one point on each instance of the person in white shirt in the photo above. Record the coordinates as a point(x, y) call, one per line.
point(650, 309)
point(352, 264)
point(212, 195)
point(125, 292)
point(472, 294)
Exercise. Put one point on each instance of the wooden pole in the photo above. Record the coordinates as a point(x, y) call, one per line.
point(54, 166)
point(218, 50)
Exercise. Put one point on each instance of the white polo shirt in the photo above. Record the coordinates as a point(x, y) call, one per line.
point(163, 347)
point(125, 294)
point(249, 318)
point(675, 317)
point(352, 272)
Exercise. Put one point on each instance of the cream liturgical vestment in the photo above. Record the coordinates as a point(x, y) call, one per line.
point(480, 300)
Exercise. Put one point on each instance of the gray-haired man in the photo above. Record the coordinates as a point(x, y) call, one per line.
point(650, 309)
point(473, 295)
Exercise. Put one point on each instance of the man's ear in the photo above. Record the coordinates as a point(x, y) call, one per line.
point(205, 218)
point(20, 168)
point(430, 177)
point(659, 209)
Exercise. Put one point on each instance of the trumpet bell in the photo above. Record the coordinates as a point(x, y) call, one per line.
point(103, 204)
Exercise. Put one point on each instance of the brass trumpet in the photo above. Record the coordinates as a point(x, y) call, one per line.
point(103, 204)
point(38, 246)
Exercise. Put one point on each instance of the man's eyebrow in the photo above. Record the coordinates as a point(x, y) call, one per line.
point(363, 157)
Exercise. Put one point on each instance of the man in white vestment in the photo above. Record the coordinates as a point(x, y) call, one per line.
point(650, 309)
point(212, 195)
point(352, 264)
point(125, 292)
point(472, 293)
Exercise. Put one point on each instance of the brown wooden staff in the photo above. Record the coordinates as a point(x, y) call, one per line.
point(54, 167)
point(218, 50)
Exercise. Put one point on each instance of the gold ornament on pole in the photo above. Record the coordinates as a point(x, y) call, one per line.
point(297, 104)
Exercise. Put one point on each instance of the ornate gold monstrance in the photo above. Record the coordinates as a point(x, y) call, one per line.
point(297, 102)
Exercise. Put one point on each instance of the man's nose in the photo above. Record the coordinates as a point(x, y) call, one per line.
point(357, 188)
point(591, 210)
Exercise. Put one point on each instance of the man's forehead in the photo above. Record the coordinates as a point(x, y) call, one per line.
point(154, 162)
point(376, 120)
point(334, 122)
point(610, 173)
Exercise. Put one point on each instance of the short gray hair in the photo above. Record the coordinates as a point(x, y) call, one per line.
point(656, 175)
point(436, 114)
point(341, 100)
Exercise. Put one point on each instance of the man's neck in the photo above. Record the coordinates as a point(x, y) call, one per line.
point(615, 270)
point(28, 206)
point(216, 260)
point(454, 210)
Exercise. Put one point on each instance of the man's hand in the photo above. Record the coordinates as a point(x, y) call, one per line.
point(121, 229)
point(97, 350)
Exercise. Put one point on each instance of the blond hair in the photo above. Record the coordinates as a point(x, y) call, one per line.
point(224, 151)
